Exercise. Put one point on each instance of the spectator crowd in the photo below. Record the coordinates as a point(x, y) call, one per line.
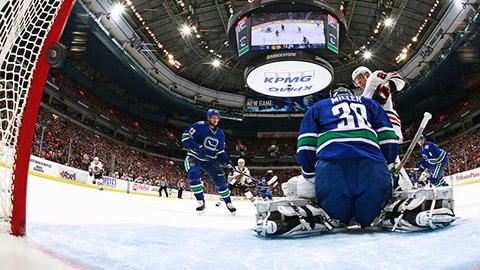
point(63, 140)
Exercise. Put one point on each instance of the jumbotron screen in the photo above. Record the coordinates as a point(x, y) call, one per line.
point(288, 30)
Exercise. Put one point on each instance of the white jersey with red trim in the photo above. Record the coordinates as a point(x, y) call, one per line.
point(380, 77)
point(96, 168)
point(239, 179)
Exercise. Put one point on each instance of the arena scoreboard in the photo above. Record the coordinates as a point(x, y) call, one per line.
point(286, 46)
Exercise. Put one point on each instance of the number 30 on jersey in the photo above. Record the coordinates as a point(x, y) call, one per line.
point(354, 115)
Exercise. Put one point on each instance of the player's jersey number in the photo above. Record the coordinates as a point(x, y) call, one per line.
point(353, 115)
point(382, 75)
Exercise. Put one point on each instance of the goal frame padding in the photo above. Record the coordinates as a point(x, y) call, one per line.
point(25, 136)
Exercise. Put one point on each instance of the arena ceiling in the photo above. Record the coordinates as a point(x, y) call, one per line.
point(188, 35)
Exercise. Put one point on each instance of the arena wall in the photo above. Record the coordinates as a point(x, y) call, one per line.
point(54, 171)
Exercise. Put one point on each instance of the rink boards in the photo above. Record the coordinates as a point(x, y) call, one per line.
point(54, 171)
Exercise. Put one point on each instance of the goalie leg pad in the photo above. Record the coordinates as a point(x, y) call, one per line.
point(295, 218)
point(429, 208)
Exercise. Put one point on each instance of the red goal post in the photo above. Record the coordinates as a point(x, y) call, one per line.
point(27, 30)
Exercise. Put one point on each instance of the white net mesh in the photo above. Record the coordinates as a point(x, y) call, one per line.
point(24, 25)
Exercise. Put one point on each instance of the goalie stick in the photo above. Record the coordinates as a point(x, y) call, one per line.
point(426, 117)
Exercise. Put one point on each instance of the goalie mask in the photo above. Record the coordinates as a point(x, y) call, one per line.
point(341, 89)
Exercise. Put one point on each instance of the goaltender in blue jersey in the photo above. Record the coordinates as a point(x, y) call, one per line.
point(345, 144)
point(206, 144)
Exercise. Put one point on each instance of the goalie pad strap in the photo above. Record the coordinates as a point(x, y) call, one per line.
point(309, 216)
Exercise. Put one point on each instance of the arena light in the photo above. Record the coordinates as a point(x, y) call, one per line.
point(414, 39)
point(216, 63)
point(367, 55)
point(117, 9)
point(185, 30)
point(388, 22)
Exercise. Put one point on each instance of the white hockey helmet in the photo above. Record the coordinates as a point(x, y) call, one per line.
point(241, 160)
point(360, 70)
point(95, 159)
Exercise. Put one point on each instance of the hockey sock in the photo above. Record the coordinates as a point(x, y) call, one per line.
point(197, 188)
point(250, 196)
point(195, 184)
point(224, 193)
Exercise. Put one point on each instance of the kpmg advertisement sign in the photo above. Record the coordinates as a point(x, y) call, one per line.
point(287, 74)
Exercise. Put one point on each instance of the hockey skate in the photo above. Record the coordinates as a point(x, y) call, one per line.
point(231, 208)
point(218, 203)
point(201, 207)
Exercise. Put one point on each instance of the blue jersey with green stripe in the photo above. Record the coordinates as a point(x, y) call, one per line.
point(345, 127)
point(432, 154)
point(213, 140)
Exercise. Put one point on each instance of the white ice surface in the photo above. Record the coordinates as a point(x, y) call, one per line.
point(88, 228)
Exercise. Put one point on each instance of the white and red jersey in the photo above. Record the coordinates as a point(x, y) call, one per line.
point(387, 79)
point(239, 179)
point(96, 168)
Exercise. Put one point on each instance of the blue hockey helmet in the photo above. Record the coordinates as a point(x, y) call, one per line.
point(212, 112)
point(341, 89)
point(422, 137)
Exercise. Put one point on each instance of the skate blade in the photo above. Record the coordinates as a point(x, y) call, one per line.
point(233, 213)
point(201, 213)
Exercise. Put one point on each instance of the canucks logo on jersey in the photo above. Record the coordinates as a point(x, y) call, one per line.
point(212, 140)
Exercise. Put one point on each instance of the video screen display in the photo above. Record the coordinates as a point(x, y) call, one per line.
point(256, 103)
point(288, 30)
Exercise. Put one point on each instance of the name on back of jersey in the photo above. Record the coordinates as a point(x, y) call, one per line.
point(346, 97)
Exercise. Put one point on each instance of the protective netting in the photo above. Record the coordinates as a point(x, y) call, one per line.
point(24, 25)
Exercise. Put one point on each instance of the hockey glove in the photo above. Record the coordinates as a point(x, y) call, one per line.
point(90, 173)
point(230, 166)
point(381, 94)
point(200, 151)
point(391, 168)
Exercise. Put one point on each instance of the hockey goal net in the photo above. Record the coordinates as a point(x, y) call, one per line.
point(27, 29)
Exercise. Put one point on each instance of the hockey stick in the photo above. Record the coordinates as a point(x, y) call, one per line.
point(270, 182)
point(426, 117)
point(235, 170)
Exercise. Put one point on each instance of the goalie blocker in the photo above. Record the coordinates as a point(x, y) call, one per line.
point(412, 210)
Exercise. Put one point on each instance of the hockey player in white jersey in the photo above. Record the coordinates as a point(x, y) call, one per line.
point(239, 180)
point(379, 86)
point(96, 170)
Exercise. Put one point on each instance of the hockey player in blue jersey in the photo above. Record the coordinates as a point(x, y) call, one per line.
point(206, 143)
point(434, 159)
point(344, 145)
point(263, 188)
